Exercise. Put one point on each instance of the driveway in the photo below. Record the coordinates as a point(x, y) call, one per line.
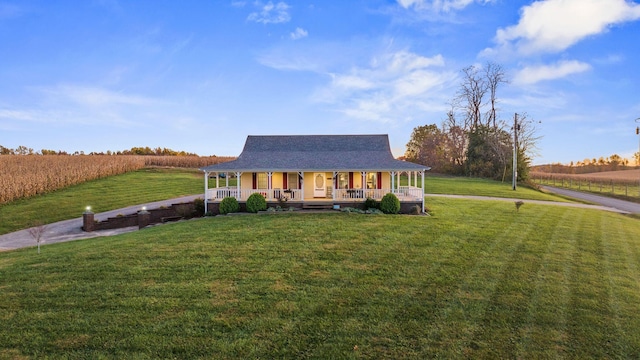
point(72, 229)
point(627, 206)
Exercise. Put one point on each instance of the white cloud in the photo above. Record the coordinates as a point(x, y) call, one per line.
point(95, 96)
point(610, 59)
point(440, 5)
point(16, 114)
point(352, 82)
point(393, 88)
point(299, 33)
point(534, 74)
point(270, 13)
point(86, 105)
point(555, 25)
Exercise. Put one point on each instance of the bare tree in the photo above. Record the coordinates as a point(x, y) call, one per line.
point(471, 95)
point(457, 140)
point(527, 134)
point(528, 139)
point(37, 231)
point(494, 75)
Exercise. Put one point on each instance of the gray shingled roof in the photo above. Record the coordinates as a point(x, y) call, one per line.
point(291, 153)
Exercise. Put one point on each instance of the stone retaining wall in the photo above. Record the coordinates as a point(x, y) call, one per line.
point(141, 218)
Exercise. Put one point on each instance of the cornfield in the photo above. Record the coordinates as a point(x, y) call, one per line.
point(28, 175)
point(184, 161)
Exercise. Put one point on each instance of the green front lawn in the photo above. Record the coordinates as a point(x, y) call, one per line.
point(483, 187)
point(476, 280)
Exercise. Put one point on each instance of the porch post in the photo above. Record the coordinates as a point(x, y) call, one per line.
point(333, 185)
point(269, 192)
point(415, 179)
point(422, 172)
point(217, 180)
point(393, 179)
point(206, 190)
point(301, 175)
point(364, 183)
point(238, 194)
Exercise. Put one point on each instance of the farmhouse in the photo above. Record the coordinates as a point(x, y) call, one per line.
point(315, 171)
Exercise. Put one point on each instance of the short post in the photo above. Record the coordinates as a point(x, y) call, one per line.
point(88, 222)
point(144, 218)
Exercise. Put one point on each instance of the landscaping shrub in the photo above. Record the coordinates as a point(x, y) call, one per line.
point(198, 205)
point(256, 202)
point(229, 205)
point(371, 204)
point(390, 204)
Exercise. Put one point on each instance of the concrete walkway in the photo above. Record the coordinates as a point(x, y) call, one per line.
point(72, 229)
point(626, 206)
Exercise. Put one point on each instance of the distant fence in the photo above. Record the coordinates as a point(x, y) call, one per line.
point(620, 187)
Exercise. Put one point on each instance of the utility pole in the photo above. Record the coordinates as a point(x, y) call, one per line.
point(515, 150)
point(638, 133)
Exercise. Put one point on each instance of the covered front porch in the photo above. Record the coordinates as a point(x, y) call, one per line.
point(297, 188)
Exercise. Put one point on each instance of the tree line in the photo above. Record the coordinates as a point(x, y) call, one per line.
point(473, 139)
point(23, 150)
point(610, 163)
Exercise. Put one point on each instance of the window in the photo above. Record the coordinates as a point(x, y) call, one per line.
point(292, 180)
point(262, 181)
point(343, 180)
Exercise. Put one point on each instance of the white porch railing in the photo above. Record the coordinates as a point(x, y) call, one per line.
point(217, 194)
point(410, 192)
point(404, 193)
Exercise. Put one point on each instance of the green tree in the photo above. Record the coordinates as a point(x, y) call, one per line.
point(427, 146)
point(488, 153)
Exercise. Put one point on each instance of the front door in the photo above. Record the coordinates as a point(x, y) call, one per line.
point(319, 187)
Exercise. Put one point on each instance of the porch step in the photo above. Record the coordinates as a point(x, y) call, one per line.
point(317, 206)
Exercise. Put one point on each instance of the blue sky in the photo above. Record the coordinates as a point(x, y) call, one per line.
point(201, 75)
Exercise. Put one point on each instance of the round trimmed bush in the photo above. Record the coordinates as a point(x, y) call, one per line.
point(390, 204)
point(256, 202)
point(229, 205)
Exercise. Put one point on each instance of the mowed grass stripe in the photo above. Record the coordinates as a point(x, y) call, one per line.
point(590, 295)
point(623, 281)
point(544, 333)
point(486, 271)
